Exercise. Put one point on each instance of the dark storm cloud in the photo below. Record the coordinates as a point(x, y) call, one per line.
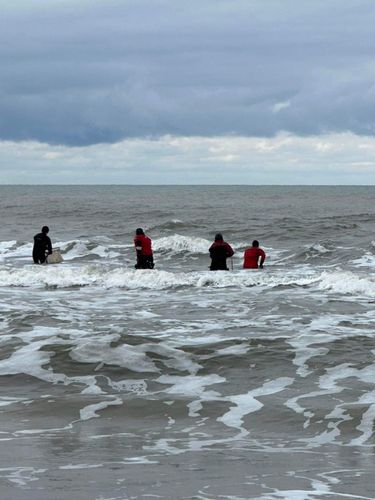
point(86, 72)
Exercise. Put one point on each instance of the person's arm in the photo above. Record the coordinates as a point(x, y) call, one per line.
point(49, 245)
point(138, 246)
point(229, 250)
point(262, 255)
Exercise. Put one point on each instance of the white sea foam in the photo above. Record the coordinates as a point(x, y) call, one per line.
point(80, 466)
point(20, 476)
point(367, 260)
point(100, 350)
point(70, 250)
point(83, 248)
point(346, 282)
point(328, 385)
point(193, 386)
point(319, 248)
point(122, 277)
point(234, 350)
point(366, 427)
point(10, 401)
point(177, 243)
point(322, 329)
point(138, 387)
point(6, 246)
point(90, 411)
point(173, 358)
point(14, 249)
point(247, 403)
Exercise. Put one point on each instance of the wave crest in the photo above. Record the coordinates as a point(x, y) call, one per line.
point(64, 276)
point(178, 244)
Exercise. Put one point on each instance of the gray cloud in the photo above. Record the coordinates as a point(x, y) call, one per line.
point(100, 71)
point(283, 159)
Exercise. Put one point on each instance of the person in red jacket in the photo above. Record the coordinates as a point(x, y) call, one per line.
point(220, 250)
point(252, 255)
point(143, 247)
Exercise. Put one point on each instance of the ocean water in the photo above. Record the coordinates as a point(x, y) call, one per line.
point(182, 383)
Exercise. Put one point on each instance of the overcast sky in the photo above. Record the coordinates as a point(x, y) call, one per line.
point(169, 91)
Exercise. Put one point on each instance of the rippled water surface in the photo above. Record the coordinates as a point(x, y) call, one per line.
point(181, 382)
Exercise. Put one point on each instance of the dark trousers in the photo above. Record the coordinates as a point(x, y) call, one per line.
point(219, 265)
point(145, 262)
point(39, 257)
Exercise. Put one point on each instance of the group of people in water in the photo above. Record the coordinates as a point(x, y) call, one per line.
point(220, 251)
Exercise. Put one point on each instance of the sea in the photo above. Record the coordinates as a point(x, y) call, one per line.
point(180, 382)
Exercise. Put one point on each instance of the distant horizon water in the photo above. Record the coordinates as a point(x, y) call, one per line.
point(203, 185)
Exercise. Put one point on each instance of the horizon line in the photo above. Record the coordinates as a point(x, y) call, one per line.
point(186, 185)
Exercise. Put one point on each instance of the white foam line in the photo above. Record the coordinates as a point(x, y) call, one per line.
point(288, 495)
point(9, 401)
point(166, 445)
point(337, 416)
point(138, 387)
point(22, 475)
point(178, 243)
point(29, 359)
point(191, 386)
point(238, 350)
point(247, 403)
point(89, 411)
point(367, 423)
point(28, 432)
point(319, 489)
point(125, 355)
point(178, 359)
point(328, 384)
point(122, 277)
point(137, 461)
point(80, 466)
point(115, 435)
point(316, 334)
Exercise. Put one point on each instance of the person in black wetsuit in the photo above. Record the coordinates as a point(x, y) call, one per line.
point(42, 246)
point(220, 250)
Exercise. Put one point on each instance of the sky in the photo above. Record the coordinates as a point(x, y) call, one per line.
point(198, 92)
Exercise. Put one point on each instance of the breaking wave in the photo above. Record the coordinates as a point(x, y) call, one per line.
point(178, 244)
point(63, 276)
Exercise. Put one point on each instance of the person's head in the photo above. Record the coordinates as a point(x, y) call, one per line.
point(45, 229)
point(219, 237)
point(255, 243)
point(139, 231)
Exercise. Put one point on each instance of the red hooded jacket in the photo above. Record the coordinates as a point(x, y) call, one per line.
point(143, 244)
point(251, 257)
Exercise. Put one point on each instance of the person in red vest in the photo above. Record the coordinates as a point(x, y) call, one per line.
point(252, 255)
point(220, 250)
point(145, 258)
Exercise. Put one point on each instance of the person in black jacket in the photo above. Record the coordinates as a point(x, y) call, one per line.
point(42, 246)
point(220, 250)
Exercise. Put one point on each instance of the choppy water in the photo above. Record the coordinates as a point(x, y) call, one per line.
point(181, 382)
